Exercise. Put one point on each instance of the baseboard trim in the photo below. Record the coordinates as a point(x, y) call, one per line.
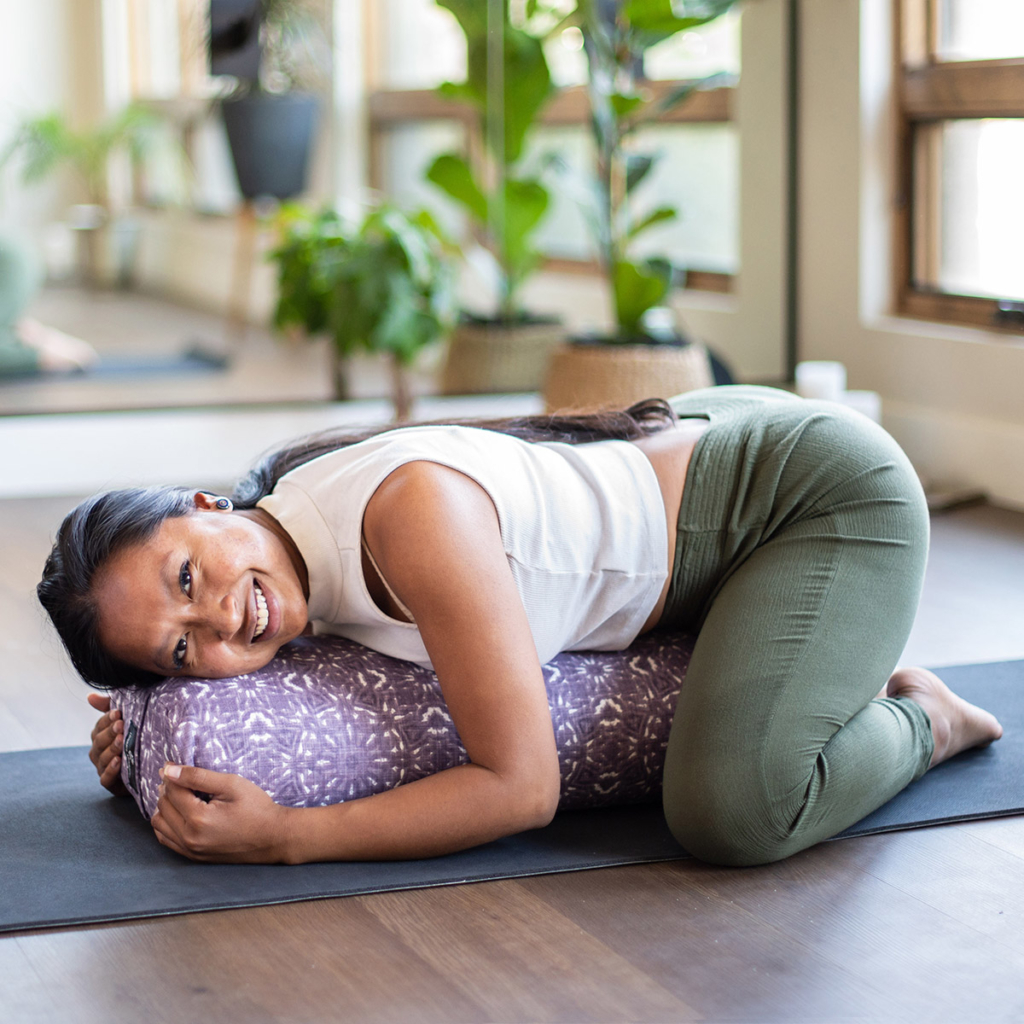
point(951, 450)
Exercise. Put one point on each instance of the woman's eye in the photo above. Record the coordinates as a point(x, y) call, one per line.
point(180, 650)
point(185, 578)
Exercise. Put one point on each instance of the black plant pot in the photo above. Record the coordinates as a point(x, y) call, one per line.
point(271, 137)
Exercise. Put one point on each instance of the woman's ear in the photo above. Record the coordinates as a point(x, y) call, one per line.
point(212, 502)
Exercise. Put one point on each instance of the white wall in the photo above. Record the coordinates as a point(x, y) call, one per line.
point(49, 60)
point(954, 397)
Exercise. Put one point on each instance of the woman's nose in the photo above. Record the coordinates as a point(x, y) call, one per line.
point(223, 616)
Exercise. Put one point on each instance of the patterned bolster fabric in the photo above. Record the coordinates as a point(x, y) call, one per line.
point(329, 720)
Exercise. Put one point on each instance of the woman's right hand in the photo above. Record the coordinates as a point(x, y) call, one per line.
point(107, 743)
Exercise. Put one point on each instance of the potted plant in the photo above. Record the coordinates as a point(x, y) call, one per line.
point(638, 359)
point(384, 284)
point(48, 144)
point(507, 84)
point(278, 51)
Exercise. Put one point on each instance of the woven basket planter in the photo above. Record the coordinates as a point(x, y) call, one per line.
point(489, 357)
point(616, 376)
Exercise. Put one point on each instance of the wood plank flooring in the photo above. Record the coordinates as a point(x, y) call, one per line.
point(920, 925)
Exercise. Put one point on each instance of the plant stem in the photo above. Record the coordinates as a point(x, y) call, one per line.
point(401, 396)
point(494, 129)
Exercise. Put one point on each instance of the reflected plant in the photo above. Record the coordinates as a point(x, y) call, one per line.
point(48, 143)
point(295, 51)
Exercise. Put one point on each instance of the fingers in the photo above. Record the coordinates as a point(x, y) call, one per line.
point(107, 741)
point(166, 837)
point(99, 702)
point(107, 744)
point(111, 775)
point(107, 728)
point(204, 780)
point(176, 821)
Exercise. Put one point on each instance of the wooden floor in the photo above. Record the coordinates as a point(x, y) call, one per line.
point(922, 925)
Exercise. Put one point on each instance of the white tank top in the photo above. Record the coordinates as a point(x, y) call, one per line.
point(583, 528)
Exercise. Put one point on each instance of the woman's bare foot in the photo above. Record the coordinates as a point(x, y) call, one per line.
point(956, 725)
point(58, 352)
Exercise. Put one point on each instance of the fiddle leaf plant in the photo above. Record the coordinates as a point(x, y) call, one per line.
point(384, 284)
point(507, 83)
point(616, 34)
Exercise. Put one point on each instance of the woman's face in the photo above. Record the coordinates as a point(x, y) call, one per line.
point(210, 594)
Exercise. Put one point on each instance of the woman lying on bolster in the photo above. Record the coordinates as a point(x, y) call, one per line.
point(791, 535)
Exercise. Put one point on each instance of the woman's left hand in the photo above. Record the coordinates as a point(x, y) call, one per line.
point(238, 824)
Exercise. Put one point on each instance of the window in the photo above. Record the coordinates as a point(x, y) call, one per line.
point(960, 223)
point(414, 45)
point(155, 52)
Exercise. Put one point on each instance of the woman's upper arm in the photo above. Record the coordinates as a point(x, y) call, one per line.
point(435, 535)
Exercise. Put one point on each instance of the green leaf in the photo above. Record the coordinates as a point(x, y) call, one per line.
point(637, 289)
point(452, 174)
point(526, 202)
point(672, 99)
point(470, 14)
point(623, 106)
point(658, 216)
point(638, 166)
point(526, 80)
point(396, 231)
point(666, 17)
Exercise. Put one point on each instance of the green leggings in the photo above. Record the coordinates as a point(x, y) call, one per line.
point(803, 535)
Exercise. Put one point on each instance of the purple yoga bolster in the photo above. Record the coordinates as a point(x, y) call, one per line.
point(329, 720)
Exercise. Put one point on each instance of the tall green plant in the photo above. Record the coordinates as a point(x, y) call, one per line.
point(384, 284)
point(48, 143)
point(507, 83)
point(616, 34)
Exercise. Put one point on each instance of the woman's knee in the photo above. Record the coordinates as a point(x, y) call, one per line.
point(724, 824)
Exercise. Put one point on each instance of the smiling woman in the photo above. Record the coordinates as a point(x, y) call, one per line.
point(211, 594)
point(792, 535)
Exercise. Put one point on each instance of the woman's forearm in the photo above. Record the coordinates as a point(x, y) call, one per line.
point(453, 810)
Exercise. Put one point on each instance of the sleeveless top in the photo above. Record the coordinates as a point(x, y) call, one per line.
point(583, 527)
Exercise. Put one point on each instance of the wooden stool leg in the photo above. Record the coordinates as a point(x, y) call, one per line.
point(241, 276)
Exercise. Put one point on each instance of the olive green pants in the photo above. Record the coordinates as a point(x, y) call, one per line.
point(803, 535)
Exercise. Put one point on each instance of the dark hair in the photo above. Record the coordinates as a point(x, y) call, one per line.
point(639, 420)
point(107, 523)
point(91, 533)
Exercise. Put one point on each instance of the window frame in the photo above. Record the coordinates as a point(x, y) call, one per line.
point(928, 92)
point(389, 108)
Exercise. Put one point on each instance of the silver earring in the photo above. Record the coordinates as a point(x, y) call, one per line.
point(224, 504)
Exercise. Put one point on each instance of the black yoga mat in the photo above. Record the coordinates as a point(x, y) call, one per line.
point(73, 855)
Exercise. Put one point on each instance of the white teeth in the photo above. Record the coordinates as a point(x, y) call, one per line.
point(262, 615)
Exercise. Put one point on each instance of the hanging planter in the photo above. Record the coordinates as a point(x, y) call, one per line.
point(271, 136)
point(280, 54)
